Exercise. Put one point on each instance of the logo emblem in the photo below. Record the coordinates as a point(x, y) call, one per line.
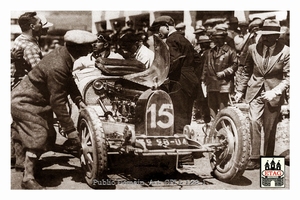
point(272, 172)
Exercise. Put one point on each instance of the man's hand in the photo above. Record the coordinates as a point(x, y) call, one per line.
point(16, 54)
point(268, 95)
point(220, 74)
point(238, 96)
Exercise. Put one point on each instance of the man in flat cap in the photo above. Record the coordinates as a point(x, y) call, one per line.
point(183, 80)
point(41, 93)
point(266, 78)
point(218, 72)
point(180, 27)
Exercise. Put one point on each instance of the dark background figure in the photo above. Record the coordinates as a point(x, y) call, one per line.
point(41, 93)
point(183, 80)
point(202, 112)
point(266, 78)
point(233, 27)
point(131, 48)
point(218, 73)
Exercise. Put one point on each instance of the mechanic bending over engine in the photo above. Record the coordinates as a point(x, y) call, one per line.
point(43, 92)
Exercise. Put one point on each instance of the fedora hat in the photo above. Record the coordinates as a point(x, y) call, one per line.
point(269, 27)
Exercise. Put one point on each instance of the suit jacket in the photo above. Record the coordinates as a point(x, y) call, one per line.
point(224, 61)
point(182, 63)
point(45, 90)
point(275, 77)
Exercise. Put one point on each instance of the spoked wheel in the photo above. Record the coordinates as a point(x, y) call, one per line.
point(93, 157)
point(231, 129)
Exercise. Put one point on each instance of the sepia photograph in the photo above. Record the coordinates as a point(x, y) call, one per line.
point(150, 99)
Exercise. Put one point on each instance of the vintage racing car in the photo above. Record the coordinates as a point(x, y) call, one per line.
point(128, 113)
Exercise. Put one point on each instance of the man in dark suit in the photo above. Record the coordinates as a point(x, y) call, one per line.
point(43, 91)
point(266, 77)
point(183, 80)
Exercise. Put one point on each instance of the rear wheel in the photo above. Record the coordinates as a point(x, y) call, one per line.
point(94, 151)
point(231, 129)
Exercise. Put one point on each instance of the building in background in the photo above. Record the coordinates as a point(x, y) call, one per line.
point(96, 21)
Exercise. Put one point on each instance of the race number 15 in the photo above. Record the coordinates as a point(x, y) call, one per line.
point(161, 113)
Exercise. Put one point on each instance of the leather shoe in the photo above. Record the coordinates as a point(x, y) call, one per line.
point(253, 164)
point(31, 185)
point(72, 144)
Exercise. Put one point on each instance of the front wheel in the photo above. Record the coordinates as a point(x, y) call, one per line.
point(231, 129)
point(94, 151)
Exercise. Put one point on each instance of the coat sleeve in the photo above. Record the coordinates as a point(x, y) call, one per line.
point(248, 71)
point(284, 84)
point(58, 86)
point(234, 60)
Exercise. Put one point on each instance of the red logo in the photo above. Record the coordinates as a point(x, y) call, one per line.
point(272, 173)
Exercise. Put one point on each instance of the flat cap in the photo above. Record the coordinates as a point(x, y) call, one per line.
point(45, 23)
point(243, 23)
point(181, 25)
point(256, 23)
point(79, 37)
point(203, 39)
point(160, 21)
point(220, 30)
point(233, 20)
point(200, 30)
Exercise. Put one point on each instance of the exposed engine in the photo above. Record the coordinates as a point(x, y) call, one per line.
point(118, 99)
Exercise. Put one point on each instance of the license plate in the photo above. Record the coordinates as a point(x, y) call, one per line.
point(164, 142)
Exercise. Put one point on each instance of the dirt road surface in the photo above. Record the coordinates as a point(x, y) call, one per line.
point(59, 171)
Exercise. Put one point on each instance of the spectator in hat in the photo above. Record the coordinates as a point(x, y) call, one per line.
point(218, 72)
point(224, 28)
point(202, 113)
point(41, 93)
point(180, 27)
point(45, 25)
point(252, 38)
point(183, 80)
point(233, 27)
point(131, 48)
point(239, 40)
point(198, 32)
point(266, 77)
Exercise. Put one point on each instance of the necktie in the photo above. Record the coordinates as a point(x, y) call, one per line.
point(266, 61)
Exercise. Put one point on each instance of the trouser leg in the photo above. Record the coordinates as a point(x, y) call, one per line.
point(18, 148)
point(29, 164)
point(270, 121)
point(29, 182)
point(256, 110)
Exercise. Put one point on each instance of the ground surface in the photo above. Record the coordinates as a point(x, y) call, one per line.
point(57, 171)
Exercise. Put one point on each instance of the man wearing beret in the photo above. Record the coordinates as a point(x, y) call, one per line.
point(45, 91)
point(183, 80)
point(266, 77)
point(218, 72)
